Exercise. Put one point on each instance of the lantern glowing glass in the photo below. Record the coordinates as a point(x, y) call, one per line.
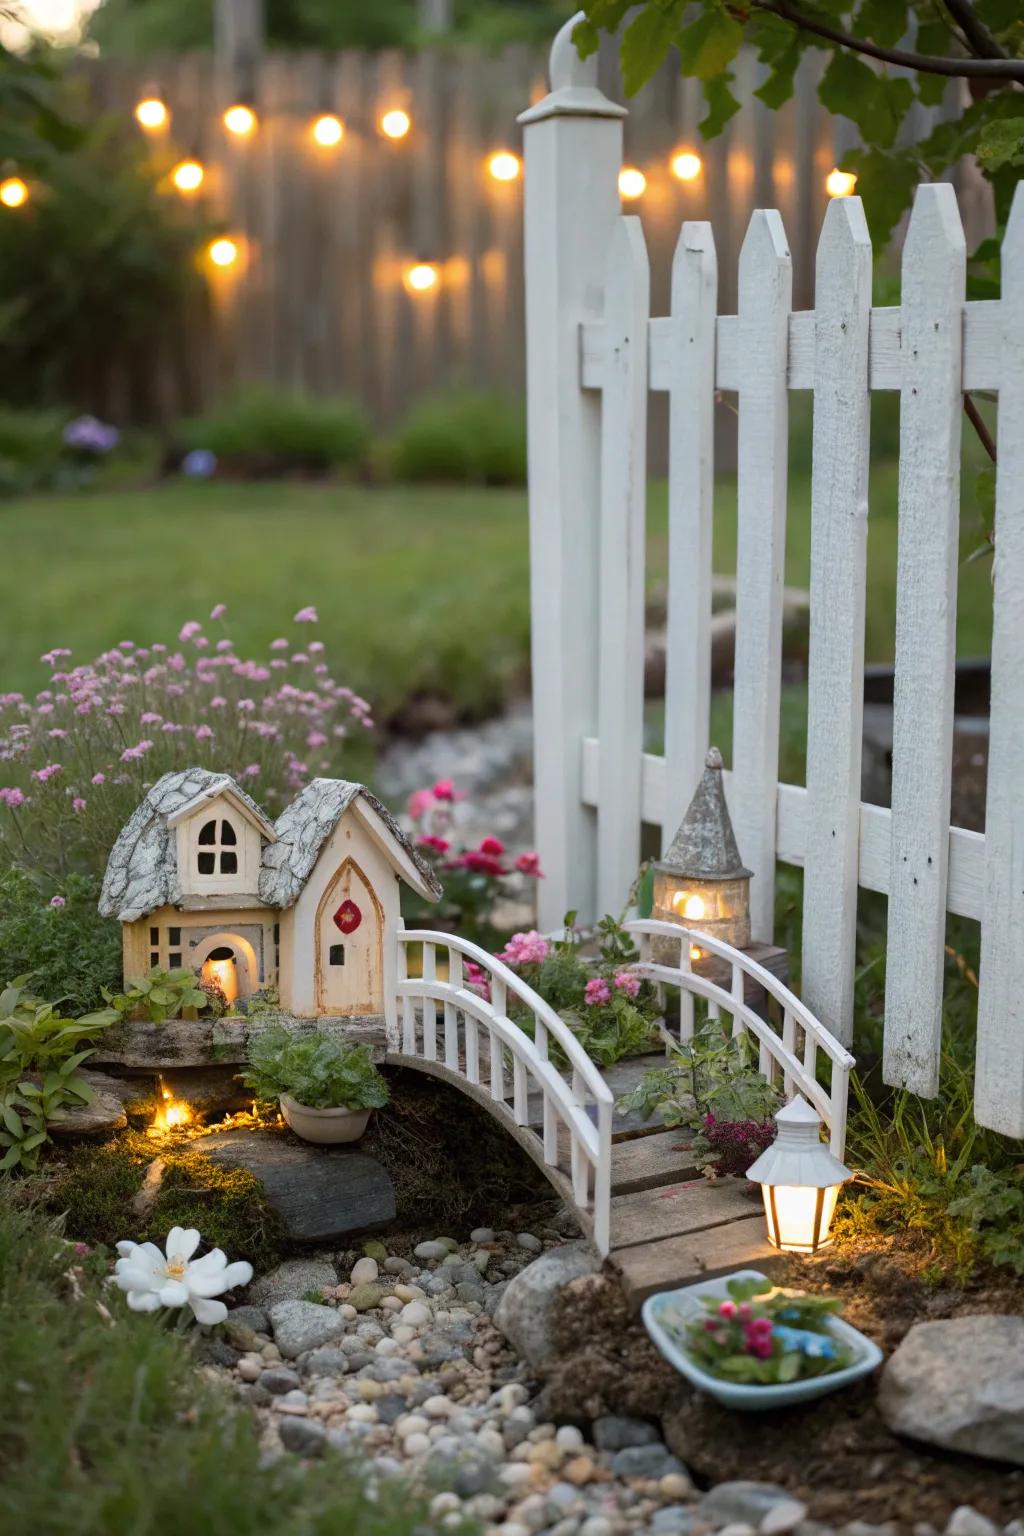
point(701, 883)
point(840, 183)
point(13, 192)
point(800, 1181)
point(151, 114)
point(328, 130)
point(240, 120)
point(188, 175)
point(220, 969)
point(395, 124)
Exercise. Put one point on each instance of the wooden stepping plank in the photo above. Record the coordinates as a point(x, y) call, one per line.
point(694, 1256)
point(678, 1209)
point(646, 1162)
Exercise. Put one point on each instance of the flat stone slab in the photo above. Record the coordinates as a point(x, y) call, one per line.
point(138, 1043)
point(103, 1113)
point(321, 1193)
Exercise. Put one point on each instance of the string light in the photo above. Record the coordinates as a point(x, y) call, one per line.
point(395, 124)
point(151, 114)
point(421, 277)
point(328, 130)
point(223, 252)
point(13, 192)
point(686, 166)
point(632, 183)
point(503, 165)
point(240, 120)
point(188, 175)
point(840, 183)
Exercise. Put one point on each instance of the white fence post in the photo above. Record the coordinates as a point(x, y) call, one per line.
point(691, 477)
point(573, 152)
point(623, 523)
point(931, 406)
point(999, 1080)
point(765, 301)
point(839, 533)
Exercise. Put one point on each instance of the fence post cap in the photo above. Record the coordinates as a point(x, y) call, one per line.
point(574, 88)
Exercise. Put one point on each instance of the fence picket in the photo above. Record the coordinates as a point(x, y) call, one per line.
point(691, 484)
point(765, 298)
point(839, 512)
point(999, 1079)
point(929, 504)
point(621, 629)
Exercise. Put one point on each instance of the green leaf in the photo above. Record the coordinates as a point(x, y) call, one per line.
point(1001, 144)
point(586, 38)
point(881, 21)
point(721, 105)
point(876, 103)
point(13, 1121)
point(709, 44)
point(644, 46)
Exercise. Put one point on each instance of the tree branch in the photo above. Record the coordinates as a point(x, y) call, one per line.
point(925, 63)
point(976, 34)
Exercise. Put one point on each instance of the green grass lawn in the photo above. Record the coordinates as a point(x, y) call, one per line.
point(418, 590)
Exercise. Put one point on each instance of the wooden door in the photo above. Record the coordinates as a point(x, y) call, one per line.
point(349, 955)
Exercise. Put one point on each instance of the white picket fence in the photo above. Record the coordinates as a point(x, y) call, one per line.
point(594, 353)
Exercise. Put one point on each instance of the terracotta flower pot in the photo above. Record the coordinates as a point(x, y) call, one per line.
point(326, 1126)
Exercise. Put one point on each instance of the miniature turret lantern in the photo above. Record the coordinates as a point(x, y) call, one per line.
point(701, 882)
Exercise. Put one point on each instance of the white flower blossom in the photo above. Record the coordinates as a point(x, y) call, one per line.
point(174, 1279)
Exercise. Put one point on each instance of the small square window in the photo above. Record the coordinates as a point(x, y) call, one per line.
point(208, 833)
point(174, 961)
point(207, 863)
point(229, 863)
point(227, 834)
point(154, 958)
point(336, 954)
point(174, 936)
point(154, 936)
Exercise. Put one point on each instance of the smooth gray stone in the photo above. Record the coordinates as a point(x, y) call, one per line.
point(614, 1432)
point(742, 1500)
point(280, 1378)
point(306, 1437)
point(303, 1325)
point(322, 1194)
point(325, 1361)
point(645, 1461)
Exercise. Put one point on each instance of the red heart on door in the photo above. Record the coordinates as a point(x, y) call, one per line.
point(348, 917)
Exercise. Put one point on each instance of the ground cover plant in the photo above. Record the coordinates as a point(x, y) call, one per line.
point(145, 1430)
point(258, 430)
point(60, 943)
point(319, 1071)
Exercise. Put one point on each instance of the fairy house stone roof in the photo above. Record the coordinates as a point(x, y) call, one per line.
point(705, 847)
point(303, 828)
point(142, 871)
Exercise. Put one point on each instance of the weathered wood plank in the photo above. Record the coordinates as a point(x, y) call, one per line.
point(931, 405)
point(621, 582)
point(690, 488)
point(679, 1208)
point(646, 1162)
point(999, 1078)
point(765, 295)
point(839, 538)
point(694, 1256)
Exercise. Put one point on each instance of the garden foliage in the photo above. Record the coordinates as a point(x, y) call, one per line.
point(81, 754)
point(319, 1071)
point(62, 945)
point(476, 438)
point(162, 995)
point(259, 430)
point(762, 1336)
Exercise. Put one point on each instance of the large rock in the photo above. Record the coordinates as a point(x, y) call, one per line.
point(302, 1325)
point(960, 1384)
point(102, 1113)
point(292, 1281)
point(524, 1311)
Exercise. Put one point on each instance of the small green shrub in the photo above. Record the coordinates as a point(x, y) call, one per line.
point(318, 1071)
point(162, 995)
point(476, 438)
point(30, 451)
point(68, 952)
point(262, 431)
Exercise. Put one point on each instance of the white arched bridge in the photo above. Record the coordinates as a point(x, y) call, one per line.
point(635, 1189)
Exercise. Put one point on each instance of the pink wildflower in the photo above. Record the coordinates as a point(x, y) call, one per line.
point(218, 610)
point(188, 630)
point(12, 798)
point(528, 948)
point(251, 772)
point(57, 901)
point(133, 754)
point(727, 1309)
point(245, 705)
point(99, 778)
point(203, 733)
point(218, 701)
point(492, 845)
point(78, 804)
point(151, 717)
point(482, 863)
point(628, 982)
point(47, 773)
point(529, 864)
point(438, 844)
point(420, 802)
point(476, 980)
point(444, 789)
point(306, 616)
point(279, 645)
point(597, 992)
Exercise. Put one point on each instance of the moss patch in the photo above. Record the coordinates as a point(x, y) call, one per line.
point(93, 1188)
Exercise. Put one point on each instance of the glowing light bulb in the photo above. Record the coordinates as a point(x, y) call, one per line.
point(840, 183)
point(328, 130)
point(696, 953)
point(632, 183)
point(686, 166)
point(13, 192)
point(395, 124)
point(421, 276)
point(188, 175)
point(223, 252)
point(151, 114)
point(239, 120)
point(693, 908)
point(503, 165)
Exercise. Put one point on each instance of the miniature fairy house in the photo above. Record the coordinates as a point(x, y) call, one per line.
point(200, 878)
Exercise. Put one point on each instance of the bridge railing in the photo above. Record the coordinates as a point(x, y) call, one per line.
point(797, 1052)
point(475, 1010)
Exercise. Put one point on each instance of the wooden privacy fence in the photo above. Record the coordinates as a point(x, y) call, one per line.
point(594, 355)
point(318, 299)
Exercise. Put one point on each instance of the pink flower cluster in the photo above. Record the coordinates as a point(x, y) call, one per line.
point(432, 811)
point(757, 1331)
point(476, 980)
point(525, 949)
point(597, 992)
point(140, 710)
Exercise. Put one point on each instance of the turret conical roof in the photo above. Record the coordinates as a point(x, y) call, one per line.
point(705, 847)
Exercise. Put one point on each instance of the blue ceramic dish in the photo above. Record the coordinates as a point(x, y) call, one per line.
point(683, 1305)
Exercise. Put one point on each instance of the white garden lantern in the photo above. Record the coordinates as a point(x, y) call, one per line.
point(800, 1181)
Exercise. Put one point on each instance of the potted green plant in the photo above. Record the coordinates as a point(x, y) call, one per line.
point(326, 1087)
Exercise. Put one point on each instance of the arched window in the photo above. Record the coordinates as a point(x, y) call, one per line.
point(218, 848)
